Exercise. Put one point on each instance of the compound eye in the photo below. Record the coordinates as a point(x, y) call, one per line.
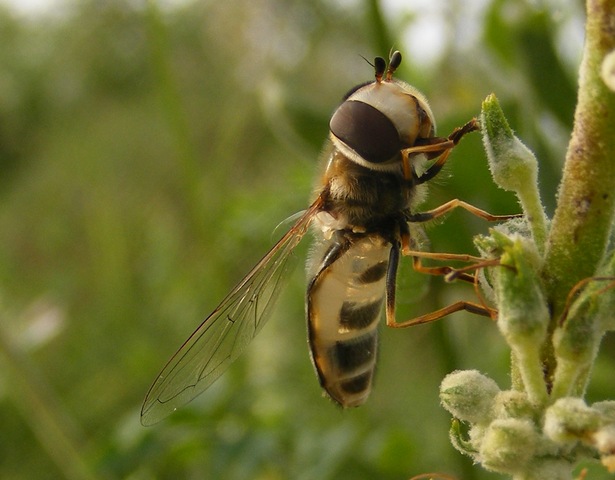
point(366, 130)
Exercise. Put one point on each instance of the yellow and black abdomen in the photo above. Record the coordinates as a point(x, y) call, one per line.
point(345, 298)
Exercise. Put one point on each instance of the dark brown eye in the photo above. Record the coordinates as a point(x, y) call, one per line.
point(365, 129)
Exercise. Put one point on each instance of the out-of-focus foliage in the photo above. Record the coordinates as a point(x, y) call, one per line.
point(147, 152)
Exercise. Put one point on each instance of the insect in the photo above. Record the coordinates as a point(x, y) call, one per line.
point(382, 150)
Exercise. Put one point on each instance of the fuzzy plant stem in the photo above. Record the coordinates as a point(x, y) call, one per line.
point(555, 298)
point(582, 223)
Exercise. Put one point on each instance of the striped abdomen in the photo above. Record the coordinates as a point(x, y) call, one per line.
point(345, 298)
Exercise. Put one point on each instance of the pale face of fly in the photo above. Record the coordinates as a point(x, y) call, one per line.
point(360, 224)
point(376, 122)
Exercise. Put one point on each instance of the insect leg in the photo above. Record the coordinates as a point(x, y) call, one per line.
point(456, 272)
point(391, 280)
point(405, 245)
point(459, 132)
point(429, 317)
point(443, 147)
point(455, 203)
point(449, 272)
point(436, 146)
point(443, 312)
point(445, 271)
point(574, 291)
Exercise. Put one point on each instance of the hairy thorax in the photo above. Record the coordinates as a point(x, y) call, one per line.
point(363, 199)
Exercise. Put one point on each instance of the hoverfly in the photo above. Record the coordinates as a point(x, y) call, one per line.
point(381, 136)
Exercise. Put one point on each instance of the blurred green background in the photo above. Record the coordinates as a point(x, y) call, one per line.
point(147, 152)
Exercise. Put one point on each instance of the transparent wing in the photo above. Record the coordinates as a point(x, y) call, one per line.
point(224, 334)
